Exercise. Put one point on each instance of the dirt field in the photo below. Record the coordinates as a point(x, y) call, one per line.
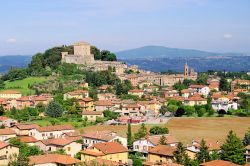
point(186, 129)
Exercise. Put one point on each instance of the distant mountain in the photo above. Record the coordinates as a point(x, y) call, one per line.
point(165, 52)
point(228, 63)
point(8, 61)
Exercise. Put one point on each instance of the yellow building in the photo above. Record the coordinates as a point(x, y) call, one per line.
point(10, 94)
point(112, 151)
point(77, 94)
point(92, 115)
point(136, 92)
point(86, 104)
point(161, 154)
point(7, 152)
point(195, 100)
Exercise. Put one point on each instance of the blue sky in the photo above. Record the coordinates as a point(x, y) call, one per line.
point(30, 26)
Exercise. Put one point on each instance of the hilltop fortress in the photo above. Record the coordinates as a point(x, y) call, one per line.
point(82, 56)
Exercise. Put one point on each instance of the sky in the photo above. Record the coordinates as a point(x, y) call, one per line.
point(31, 26)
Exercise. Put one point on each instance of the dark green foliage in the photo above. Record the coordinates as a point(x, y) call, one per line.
point(15, 74)
point(123, 87)
point(180, 154)
point(179, 112)
point(96, 52)
point(142, 132)
point(129, 137)
point(78, 156)
point(163, 109)
point(1, 110)
point(179, 86)
point(224, 85)
point(203, 154)
point(110, 114)
point(108, 56)
point(246, 139)
point(202, 78)
point(129, 96)
point(101, 78)
point(233, 149)
point(163, 140)
point(2, 84)
point(157, 130)
point(54, 109)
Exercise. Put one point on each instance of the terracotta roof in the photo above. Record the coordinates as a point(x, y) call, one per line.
point(92, 113)
point(58, 141)
point(103, 87)
point(10, 92)
point(136, 91)
point(147, 163)
point(92, 153)
point(212, 144)
point(52, 158)
point(86, 99)
point(110, 147)
point(197, 86)
point(55, 128)
point(156, 138)
point(104, 103)
point(2, 118)
point(77, 92)
point(73, 134)
point(100, 135)
point(27, 126)
point(28, 139)
point(164, 150)
point(177, 98)
point(195, 97)
point(3, 144)
point(132, 106)
point(7, 131)
point(218, 163)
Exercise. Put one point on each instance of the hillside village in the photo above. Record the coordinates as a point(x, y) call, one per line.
point(89, 87)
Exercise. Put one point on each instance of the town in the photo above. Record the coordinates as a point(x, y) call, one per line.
point(47, 124)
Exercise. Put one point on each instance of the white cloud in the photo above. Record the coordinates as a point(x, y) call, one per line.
point(227, 36)
point(11, 40)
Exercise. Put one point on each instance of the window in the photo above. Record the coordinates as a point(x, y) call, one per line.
point(43, 134)
point(68, 148)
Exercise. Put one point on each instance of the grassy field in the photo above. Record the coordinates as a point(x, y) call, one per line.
point(22, 85)
point(187, 129)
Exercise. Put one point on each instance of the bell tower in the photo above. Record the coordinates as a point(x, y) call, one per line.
point(186, 72)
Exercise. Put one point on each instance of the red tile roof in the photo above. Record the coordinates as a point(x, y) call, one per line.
point(27, 126)
point(218, 163)
point(58, 141)
point(110, 147)
point(55, 128)
point(164, 150)
point(136, 91)
point(195, 97)
point(104, 103)
point(77, 92)
point(52, 158)
point(7, 131)
point(10, 92)
point(3, 144)
point(197, 86)
point(100, 135)
point(28, 139)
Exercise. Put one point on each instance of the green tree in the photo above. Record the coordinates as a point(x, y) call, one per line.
point(163, 109)
point(1, 110)
point(224, 85)
point(180, 154)
point(96, 52)
point(163, 140)
point(110, 114)
point(2, 84)
point(246, 139)
point(233, 149)
point(157, 130)
point(129, 136)
point(142, 132)
point(203, 154)
point(54, 109)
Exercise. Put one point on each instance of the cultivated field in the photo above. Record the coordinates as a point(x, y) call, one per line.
point(186, 129)
point(23, 85)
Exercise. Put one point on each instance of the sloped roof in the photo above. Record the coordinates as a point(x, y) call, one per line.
point(164, 150)
point(110, 147)
point(218, 163)
point(55, 128)
point(52, 158)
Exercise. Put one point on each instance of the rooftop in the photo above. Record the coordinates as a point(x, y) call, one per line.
point(52, 158)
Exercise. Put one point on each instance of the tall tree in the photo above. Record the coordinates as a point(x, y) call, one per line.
point(54, 109)
point(1, 110)
point(180, 154)
point(246, 139)
point(142, 132)
point(233, 149)
point(203, 154)
point(224, 86)
point(129, 136)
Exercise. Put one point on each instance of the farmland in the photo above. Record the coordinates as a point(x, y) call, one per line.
point(186, 129)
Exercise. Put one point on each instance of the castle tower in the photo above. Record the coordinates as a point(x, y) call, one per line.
point(83, 50)
point(186, 74)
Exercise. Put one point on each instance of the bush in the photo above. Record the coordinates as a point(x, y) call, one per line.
point(157, 130)
point(179, 112)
